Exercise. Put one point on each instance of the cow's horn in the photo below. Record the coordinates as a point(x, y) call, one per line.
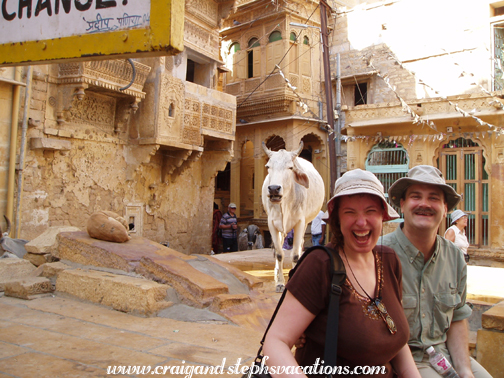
point(266, 149)
point(298, 151)
point(8, 225)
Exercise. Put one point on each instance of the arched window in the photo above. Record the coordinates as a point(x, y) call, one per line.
point(275, 49)
point(275, 36)
point(237, 70)
point(389, 161)
point(170, 110)
point(254, 42)
point(293, 36)
point(234, 48)
point(306, 41)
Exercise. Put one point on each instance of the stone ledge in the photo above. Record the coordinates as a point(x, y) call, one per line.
point(195, 288)
point(122, 293)
point(494, 318)
point(50, 144)
point(46, 242)
point(490, 349)
point(224, 301)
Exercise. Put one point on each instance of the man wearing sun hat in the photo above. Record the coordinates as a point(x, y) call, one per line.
point(229, 225)
point(434, 272)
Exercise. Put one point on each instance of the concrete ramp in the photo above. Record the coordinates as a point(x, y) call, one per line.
point(198, 281)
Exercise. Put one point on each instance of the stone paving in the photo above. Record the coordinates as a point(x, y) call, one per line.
point(54, 336)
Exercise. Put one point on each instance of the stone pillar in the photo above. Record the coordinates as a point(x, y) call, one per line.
point(490, 342)
point(235, 183)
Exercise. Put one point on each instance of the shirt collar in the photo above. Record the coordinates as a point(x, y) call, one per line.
point(409, 249)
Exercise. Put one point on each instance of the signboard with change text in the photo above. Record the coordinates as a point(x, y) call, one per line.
point(48, 31)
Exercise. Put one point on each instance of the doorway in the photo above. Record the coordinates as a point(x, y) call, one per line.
point(463, 165)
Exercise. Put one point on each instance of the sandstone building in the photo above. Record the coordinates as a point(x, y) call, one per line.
point(149, 153)
point(273, 54)
point(422, 84)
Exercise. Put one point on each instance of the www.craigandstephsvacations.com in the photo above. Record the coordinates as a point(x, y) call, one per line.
point(188, 371)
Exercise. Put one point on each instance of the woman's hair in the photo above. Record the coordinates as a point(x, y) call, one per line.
point(334, 225)
point(334, 222)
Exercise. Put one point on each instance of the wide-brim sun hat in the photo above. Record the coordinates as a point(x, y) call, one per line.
point(423, 174)
point(456, 215)
point(358, 181)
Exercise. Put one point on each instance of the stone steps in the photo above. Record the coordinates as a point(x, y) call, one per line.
point(121, 292)
point(144, 277)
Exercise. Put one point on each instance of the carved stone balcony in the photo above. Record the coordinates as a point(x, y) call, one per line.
point(118, 80)
point(186, 113)
point(186, 121)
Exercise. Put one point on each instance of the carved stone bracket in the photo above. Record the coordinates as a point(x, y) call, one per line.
point(66, 97)
point(175, 162)
point(107, 77)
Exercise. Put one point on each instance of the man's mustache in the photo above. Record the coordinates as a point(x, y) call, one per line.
point(425, 210)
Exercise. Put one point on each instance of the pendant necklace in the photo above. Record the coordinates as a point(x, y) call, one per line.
point(379, 305)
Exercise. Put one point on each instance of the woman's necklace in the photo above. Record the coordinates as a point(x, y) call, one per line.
point(380, 306)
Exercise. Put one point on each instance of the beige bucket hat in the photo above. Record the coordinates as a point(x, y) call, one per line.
point(456, 215)
point(423, 174)
point(358, 181)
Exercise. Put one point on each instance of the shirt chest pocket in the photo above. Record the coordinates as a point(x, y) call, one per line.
point(443, 306)
point(409, 303)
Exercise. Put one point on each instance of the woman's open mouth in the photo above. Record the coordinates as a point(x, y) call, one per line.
point(362, 236)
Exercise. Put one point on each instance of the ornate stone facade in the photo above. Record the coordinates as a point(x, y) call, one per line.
point(146, 148)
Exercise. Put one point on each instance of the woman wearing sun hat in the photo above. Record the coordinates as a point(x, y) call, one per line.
point(456, 233)
point(373, 330)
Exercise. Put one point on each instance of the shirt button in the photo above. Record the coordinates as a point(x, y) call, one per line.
point(423, 315)
point(423, 290)
point(411, 259)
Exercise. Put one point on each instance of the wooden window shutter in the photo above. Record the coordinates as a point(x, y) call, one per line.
point(240, 65)
point(306, 60)
point(257, 61)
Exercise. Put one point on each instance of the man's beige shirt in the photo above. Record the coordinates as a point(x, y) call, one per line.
point(434, 293)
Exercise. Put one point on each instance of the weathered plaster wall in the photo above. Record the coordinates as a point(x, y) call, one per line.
point(66, 188)
point(441, 43)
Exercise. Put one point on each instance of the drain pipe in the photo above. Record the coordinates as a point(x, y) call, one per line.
point(24, 129)
point(13, 145)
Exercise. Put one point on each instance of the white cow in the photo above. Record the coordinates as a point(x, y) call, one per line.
point(292, 195)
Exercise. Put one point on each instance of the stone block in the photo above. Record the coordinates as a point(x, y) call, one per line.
point(65, 133)
point(50, 144)
point(79, 247)
point(194, 287)
point(494, 318)
point(121, 292)
point(50, 270)
point(34, 258)
point(12, 269)
point(46, 242)
point(28, 288)
point(223, 301)
point(50, 131)
point(490, 349)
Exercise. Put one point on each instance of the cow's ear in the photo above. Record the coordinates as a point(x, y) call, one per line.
point(301, 178)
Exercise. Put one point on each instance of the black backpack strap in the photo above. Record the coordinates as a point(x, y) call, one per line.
point(338, 276)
